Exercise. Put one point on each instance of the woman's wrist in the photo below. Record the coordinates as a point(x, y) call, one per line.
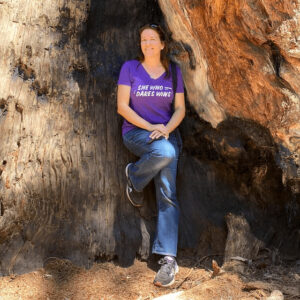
point(149, 126)
point(168, 129)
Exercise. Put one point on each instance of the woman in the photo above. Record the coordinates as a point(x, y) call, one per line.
point(145, 100)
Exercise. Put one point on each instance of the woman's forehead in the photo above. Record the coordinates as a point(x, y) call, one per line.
point(149, 33)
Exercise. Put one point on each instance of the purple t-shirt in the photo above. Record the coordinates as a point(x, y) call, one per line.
point(149, 98)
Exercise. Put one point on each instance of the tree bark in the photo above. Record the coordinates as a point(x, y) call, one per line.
point(62, 158)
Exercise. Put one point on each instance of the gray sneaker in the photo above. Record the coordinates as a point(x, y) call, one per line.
point(166, 274)
point(136, 198)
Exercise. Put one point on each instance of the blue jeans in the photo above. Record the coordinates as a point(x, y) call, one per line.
point(158, 160)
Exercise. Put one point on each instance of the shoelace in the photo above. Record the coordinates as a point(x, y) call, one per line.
point(167, 264)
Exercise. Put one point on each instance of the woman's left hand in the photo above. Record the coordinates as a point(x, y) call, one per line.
point(156, 134)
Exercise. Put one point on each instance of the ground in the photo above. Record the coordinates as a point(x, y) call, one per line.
point(61, 280)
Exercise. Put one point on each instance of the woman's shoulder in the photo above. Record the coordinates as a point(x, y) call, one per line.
point(131, 63)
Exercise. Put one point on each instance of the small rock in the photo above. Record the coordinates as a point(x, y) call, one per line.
point(276, 295)
point(239, 258)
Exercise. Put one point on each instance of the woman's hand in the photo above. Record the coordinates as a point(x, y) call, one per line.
point(159, 127)
point(158, 130)
point(156, 134)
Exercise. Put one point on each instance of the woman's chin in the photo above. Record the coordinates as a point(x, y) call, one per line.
point(150, 54)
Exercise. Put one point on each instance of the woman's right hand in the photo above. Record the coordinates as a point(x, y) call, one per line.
point(155, 135)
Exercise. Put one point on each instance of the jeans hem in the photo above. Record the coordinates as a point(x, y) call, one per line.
point(164, 253)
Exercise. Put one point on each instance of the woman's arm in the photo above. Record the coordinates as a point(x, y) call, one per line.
point(179, 112)
point(177, 117)
point(130, 115)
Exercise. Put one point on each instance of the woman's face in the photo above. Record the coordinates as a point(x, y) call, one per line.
point(151, 44)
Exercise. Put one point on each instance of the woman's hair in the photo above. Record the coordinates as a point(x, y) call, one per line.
point(164, 52)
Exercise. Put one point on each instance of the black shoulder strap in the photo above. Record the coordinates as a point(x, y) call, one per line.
point(174, 80)
point(174, 83)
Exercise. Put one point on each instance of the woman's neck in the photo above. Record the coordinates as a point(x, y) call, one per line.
point(152, 62)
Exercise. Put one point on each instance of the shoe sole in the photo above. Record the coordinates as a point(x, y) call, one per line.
point(164, 285)
point(127, 194)
point(127, 188)
point(126, 170)
point(168, 284)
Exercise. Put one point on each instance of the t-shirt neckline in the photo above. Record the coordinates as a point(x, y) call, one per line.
point(149, 74)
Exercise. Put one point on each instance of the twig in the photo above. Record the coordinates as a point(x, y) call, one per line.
point(205, 268)
point(49, 258)
point(197, 263)
point(185, 278)
point(207, 256)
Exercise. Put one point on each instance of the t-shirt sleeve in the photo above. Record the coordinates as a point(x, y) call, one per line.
point(180, 86)
point(125, 76)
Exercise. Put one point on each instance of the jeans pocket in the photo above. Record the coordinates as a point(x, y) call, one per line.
point(129, 135)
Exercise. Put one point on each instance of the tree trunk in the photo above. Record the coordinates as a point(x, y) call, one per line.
point(61, 154)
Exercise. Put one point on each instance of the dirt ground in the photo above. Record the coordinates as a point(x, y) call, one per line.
point(61, 280)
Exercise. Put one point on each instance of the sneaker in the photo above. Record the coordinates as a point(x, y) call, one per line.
point(136, 198)
point(166, 274)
